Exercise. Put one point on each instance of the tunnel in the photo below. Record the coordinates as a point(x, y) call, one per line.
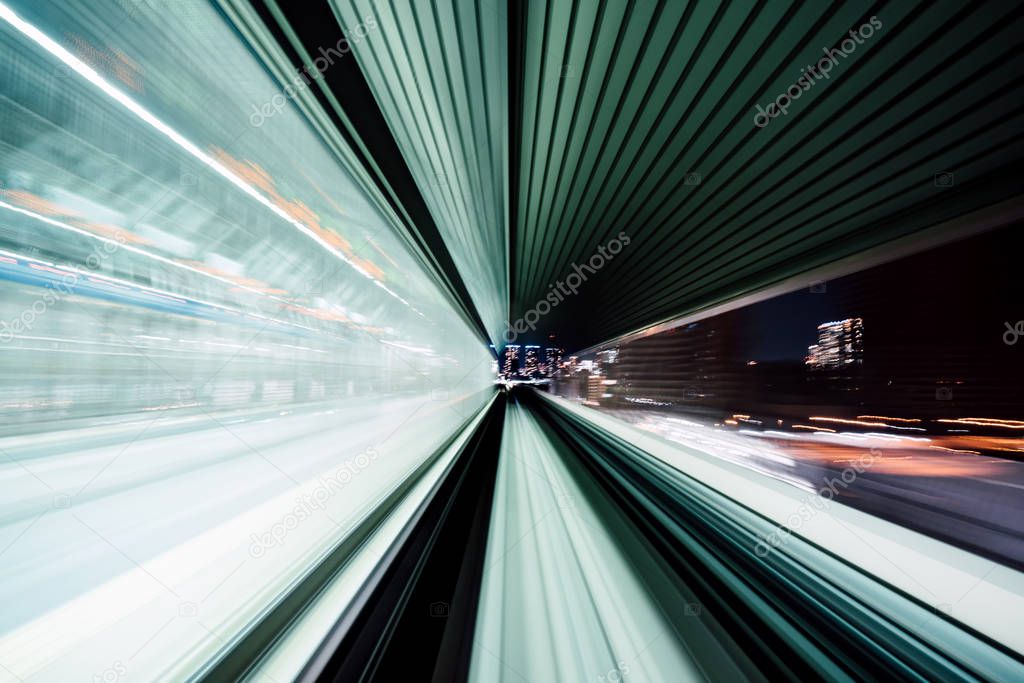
point(511, 341)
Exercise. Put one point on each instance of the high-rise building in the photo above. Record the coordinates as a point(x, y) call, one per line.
point(840, 344)
point(511, 364)
point(686, 366)
point(552, 360)
point(596, 388)
point(531, 366)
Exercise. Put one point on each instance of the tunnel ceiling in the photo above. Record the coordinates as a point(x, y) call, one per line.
point(536, 133)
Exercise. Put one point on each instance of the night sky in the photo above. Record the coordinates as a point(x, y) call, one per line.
point(782, 328)
point(956, 297)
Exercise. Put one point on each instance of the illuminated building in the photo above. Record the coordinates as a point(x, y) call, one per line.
point(511, 364)
point(595, 388)
point(531, 366)
point(840, 344)
point(552, 360)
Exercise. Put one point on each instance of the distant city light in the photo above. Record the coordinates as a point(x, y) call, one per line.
point(840, 343)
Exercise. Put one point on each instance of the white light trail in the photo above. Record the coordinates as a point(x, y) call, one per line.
point(81, 68)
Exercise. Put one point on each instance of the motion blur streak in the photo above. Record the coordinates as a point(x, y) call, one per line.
point(265, 414)
point(92, 76)
point(200, 399)
point(699, 516)
point(551, 551)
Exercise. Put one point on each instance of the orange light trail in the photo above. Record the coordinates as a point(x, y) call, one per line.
point(848, 422)
point(954, 450)
point(985, 422)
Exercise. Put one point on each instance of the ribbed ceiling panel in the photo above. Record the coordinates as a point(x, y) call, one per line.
point(438, 71)
point(622, 103)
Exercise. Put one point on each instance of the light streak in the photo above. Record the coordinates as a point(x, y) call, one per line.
point(986, 422)
point(814, 428)
point(88, 73)
point(859, 423)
